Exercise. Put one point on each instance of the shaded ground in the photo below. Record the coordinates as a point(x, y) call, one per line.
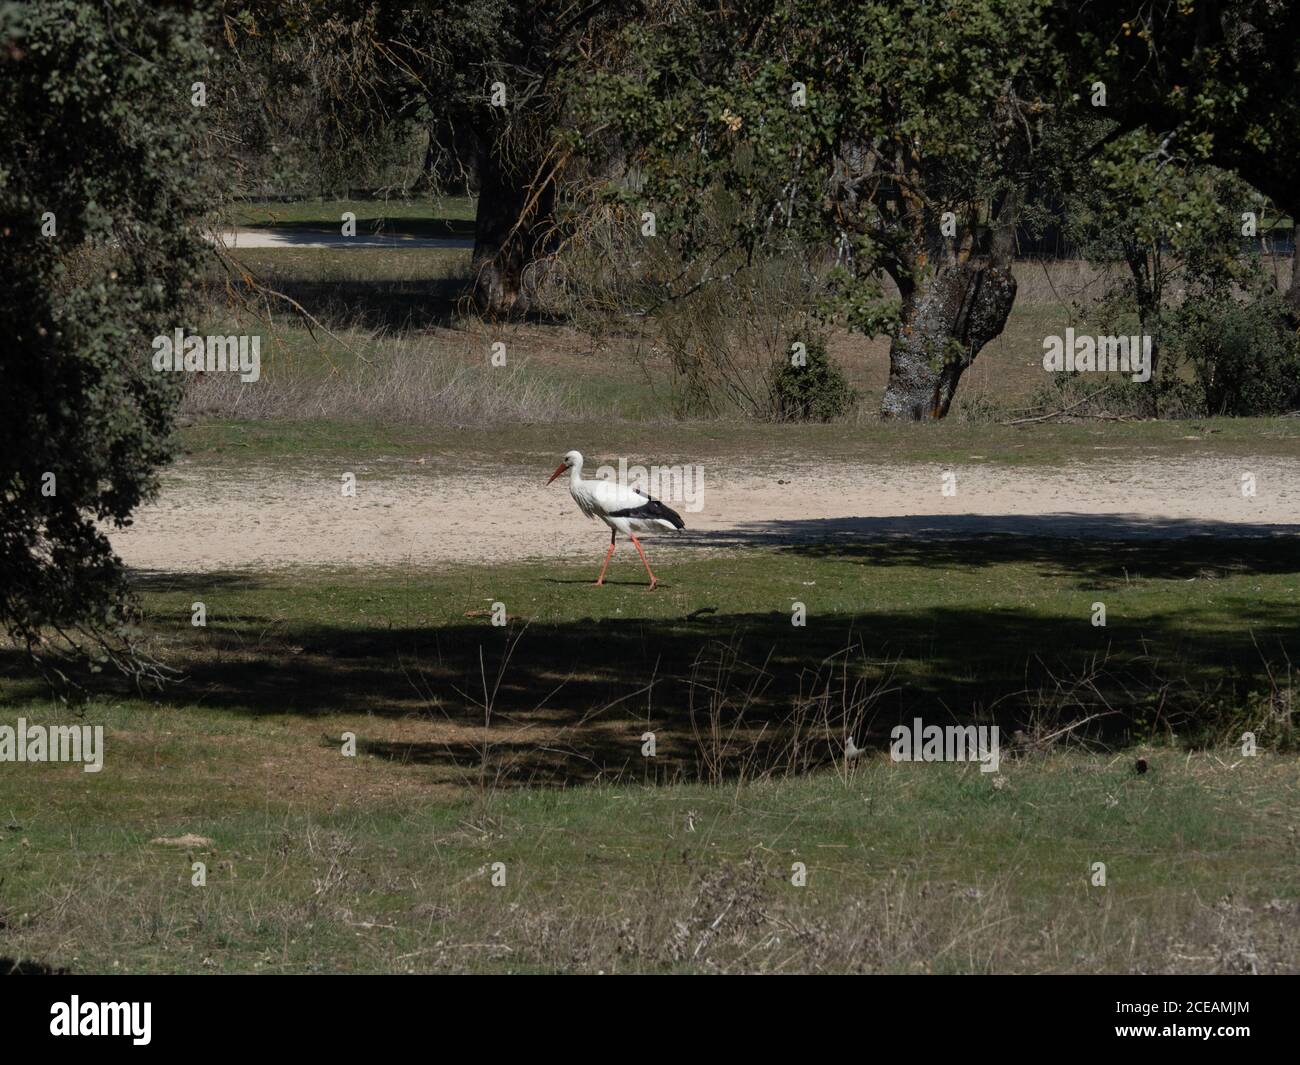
point(1198, 643)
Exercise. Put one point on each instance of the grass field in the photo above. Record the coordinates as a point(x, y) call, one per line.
point(1194, 628)
point(435, 216)
point(318, 441)
point(522, 745)
point(316, 862)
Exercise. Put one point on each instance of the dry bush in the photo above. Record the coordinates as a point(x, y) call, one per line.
point(730, 338)
point(835, 705)
point(723, 320)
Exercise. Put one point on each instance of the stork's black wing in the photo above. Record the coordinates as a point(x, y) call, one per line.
point(650, 509)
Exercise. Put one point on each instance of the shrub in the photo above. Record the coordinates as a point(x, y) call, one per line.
point(99, 181)
point(1243, 357)
point(814, 391)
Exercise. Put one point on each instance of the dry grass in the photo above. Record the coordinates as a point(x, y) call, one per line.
point(381, 378)
point(712, 354)
point(909, 869)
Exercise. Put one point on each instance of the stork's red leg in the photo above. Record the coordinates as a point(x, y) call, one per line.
point(608, 555)
point(637, 544)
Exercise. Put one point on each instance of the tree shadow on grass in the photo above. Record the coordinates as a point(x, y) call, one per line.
point(161, 580)
point(17, 967)
point(569, 701)
point(1081, 542)
point(397, 306)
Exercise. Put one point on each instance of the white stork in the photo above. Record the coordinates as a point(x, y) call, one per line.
point(625, 510)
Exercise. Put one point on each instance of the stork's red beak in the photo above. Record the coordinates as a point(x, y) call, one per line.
point(558, 470)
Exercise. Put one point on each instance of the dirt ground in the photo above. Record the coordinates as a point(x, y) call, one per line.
point(266, 519)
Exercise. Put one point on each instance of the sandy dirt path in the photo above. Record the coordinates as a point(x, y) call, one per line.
point(209, 520)
point(297, 238)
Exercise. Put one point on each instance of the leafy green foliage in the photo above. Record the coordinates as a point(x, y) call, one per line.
point(1220, 338)
point(908, 111)
point(1244, 358)
point(815, 390)
point(97, 140)
point(1219, 80)
point(877, 139)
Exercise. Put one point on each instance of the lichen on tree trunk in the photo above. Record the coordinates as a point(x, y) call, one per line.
point(947, 317)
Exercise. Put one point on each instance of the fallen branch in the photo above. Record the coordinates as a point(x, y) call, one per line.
point(1066, 410)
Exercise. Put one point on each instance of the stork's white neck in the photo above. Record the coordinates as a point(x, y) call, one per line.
point(581, 490)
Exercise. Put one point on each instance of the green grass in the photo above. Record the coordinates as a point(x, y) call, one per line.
point(375, 269)
point(1189, 621)
point(354, 291)
point(1044, 444)
point(998, 628)
point(321, 863)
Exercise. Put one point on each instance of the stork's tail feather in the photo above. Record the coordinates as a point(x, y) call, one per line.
point(670, 515)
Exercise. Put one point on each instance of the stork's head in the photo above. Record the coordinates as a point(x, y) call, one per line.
point(572, 459)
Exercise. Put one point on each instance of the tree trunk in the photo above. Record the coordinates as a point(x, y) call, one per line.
point(452, 156)
point(513, 237)
point(947, 318)
point(1292, 295)
point(1146, 264)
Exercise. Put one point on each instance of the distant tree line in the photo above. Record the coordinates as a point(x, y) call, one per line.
point(927, 136)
